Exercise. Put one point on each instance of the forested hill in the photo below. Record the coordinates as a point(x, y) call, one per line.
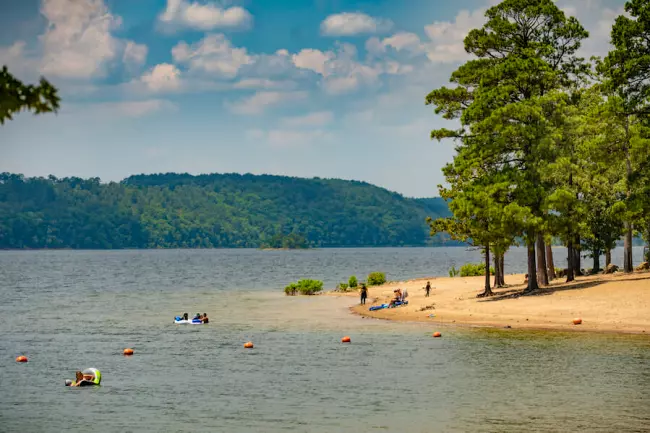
point(216, 210)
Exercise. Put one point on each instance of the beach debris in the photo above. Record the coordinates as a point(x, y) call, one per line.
point(21, 358)
point(643, 267)
point(611, 268)
point(248, 345)
point(577, 321)
point(437, 334)
point(508, 327)
point(346, 339)
point(128, 351)
point(428, 307)
point(432, 315)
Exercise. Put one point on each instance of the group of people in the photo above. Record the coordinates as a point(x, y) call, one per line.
point(399, 294)
point(203, 318)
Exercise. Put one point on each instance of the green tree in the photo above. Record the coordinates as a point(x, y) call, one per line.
point(508, 101)
point(16, 96)
point(626, 70)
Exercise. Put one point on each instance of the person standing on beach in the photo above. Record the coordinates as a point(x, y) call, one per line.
point(364, 294)
point(427, 289)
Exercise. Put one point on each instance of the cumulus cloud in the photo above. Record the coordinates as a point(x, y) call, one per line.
point(353, 23)
point(319, 118)
point(208, 16)
point(162, 77)
point(78, 41)
point(262, 100)
point(213, 54)
point(77, 44)
point(340, 69)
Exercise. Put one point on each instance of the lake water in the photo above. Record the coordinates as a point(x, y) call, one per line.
point(68, 310)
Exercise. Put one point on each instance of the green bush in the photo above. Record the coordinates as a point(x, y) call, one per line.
point(304, 287)
point(453, 272)
point(343, 287)
point(474, 270)
point(352, 282)
point(376, 278)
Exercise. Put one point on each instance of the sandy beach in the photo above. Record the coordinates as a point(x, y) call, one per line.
point(605, 303)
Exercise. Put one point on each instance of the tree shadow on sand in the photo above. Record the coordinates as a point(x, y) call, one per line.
point(549, 290)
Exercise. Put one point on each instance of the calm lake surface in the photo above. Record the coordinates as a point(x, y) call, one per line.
point(68, 310)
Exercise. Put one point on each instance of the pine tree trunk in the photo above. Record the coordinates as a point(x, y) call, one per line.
point(549, 262)
point(532, 269)
point(497, 271)
point(596, 267)
point(627, 249)
point(502, 275)
point(608, 257)
point(488, 289)
point(569, 269)
point(577, 265)
point(542, 276)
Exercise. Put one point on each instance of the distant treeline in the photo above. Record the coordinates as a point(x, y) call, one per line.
point(207, 211)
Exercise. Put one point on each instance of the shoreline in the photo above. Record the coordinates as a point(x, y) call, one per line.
point(616, 303)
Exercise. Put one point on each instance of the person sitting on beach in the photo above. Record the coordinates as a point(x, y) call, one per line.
point(185, 316)
point(205, 319)
point(397, 298)
point(197, 316)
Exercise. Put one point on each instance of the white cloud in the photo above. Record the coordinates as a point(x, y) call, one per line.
point(162, 77)
point(264, 83)
point(260, 101)
point(213, 54)
point(314, 60)
point(318, 118)
point(446, 38)
point(135, 55)
point(78, 41)
point(208, 16)
point(349, 23)
point(340, 69)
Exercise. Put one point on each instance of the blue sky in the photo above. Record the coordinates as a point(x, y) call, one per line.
point(328, 88)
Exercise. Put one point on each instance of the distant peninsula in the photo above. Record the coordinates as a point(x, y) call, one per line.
point(209, 211)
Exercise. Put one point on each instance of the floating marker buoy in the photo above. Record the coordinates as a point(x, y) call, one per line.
point(346, 340)
point(577, 321)
point(21, 359)
point(128, 352)
point(437, 334)
point(248, 345)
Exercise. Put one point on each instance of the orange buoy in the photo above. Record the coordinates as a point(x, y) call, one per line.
point(577, 321)
point(21, 359)
point(437, 334)
point(346, 339)
point(248, 345)
point(128, 352)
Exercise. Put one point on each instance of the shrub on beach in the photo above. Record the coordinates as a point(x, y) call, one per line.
point(453, 272)
point(342, 287)
point(304, 287)
point(352, 282)
point(474, 270)
point(376, 278)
